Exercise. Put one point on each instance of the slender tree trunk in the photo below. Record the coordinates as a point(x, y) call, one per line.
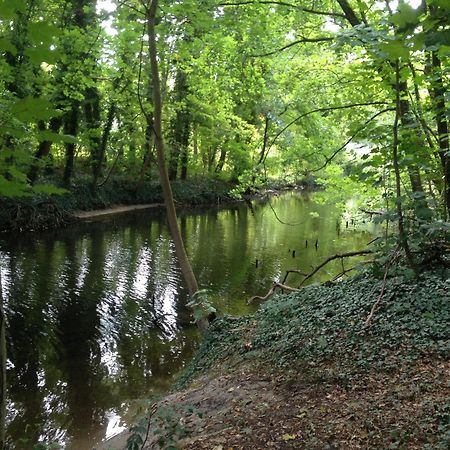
point(185, 265)
point(43, 149)
point(262, 154)
point(93, 119)
point(70, 127)
point(148, 146)
point(407, 122)
point(400, 221)
point(437, 93)
point(222, 158)
point(97, 166)
point(180, 129)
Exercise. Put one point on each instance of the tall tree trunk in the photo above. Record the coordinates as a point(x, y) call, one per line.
point(404, 111)
point(408, 123)
point(185, 265)
point(437, 93)
point(70, 127)
point(222, 158)
point(180, 129)
point(403, 241)
point(44, 149)
point(93, 119)
point(97, 167)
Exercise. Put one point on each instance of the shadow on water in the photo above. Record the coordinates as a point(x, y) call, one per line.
point(96, 312)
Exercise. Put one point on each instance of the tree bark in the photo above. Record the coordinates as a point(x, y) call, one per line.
point(43, 149)
point(70, 127)
point(403, 241)
point(437, 93)
point(180, 129)
point(185, 265)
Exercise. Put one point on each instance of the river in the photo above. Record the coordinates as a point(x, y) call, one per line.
point(96, 311)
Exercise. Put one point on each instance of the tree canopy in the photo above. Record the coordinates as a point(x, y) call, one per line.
point(341, 92)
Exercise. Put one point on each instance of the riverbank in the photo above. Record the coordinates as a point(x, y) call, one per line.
point(48, 211)
point(306, 372)
point(45, 211)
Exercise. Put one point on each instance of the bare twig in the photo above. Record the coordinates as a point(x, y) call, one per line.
point(281, 221)
point(383, 288)
point(332, 258)
point(303, 40)
point(328, 159)
point(281, 3)
point(326, 109)
point(288, 272)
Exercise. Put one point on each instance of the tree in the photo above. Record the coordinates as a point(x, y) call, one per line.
point(183, 260)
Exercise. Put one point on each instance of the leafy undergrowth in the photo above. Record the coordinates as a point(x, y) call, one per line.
point(304, 372)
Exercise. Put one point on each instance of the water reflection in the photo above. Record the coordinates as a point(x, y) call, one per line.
point(97, 312)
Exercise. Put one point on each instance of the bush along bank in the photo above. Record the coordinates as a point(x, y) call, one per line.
point(44, 211)
point(306, 372)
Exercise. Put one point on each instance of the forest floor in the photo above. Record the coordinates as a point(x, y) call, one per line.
point(304, 372)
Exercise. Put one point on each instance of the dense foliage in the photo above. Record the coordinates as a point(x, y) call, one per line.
point(251, 90)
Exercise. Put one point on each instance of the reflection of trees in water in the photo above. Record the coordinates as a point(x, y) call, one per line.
point(78, 330)
point(27, 339)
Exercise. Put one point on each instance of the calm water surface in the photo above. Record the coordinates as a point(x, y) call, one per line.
point(96, 312)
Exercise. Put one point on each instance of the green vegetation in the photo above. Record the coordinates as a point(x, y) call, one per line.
point(350, 95)
point(317, 337)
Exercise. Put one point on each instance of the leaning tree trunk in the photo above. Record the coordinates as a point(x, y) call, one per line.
point(185, 265)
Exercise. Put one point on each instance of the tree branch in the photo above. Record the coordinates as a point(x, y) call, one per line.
point(332, 258)
point(330, 108)
point(303, 40)
point(330, 158)
point(288, 5)
point(269, 294)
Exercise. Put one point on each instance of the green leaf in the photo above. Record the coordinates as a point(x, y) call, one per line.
point(41, 53)
point(31, 109)
point(406, 16)
point(13, 188)
point(394, 49)
point(42, 32)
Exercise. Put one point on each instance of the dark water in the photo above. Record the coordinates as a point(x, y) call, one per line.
point(97, 316)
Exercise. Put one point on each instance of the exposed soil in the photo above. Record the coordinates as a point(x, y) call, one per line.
point(251, 408)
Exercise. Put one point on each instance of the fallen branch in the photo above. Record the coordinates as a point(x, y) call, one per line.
point(332, 258)
point(269, 294)
point(293, 271)
point(346, 271)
